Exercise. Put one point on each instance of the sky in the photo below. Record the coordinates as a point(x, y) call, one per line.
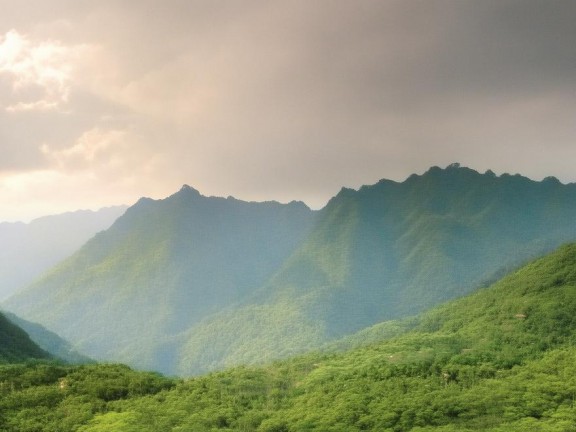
point(102, 102)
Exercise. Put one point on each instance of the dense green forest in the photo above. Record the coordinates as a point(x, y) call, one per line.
point(195, 284)
point(500, 359)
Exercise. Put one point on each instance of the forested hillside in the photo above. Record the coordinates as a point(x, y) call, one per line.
point(190, 284)
point(16, 345)
point(498, 360)
point(49, 341)
point(163, 266)
point(387, 251)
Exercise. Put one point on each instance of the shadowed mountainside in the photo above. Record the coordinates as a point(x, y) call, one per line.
point(49, 341)
point(16, 345)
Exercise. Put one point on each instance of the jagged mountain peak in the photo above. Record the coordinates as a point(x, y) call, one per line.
point(187, 189)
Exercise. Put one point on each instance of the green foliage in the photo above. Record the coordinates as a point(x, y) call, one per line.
point(56, 398)
point(251, 335)
point(501, 359)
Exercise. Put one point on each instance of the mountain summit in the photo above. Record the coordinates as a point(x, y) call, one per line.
point(190, 283)
point(162, 267)
point(186, 189)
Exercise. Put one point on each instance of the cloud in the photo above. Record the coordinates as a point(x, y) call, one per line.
point(114, 156)
point(284, 100)
point(94, 147)
point(31, 194)
point(41, 69)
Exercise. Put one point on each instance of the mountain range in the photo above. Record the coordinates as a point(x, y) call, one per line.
point(162, 267)
point(29, 249)
point(190, 283)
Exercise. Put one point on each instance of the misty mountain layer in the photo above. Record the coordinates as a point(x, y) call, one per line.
point(48, 341)
point(190, 283)
point(29, 249)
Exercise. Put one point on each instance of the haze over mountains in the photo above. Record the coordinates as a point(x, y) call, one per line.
point(192, 283)
point(29, 249)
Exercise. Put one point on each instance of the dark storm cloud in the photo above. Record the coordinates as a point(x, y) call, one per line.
point(509, 47)
point(294, 99)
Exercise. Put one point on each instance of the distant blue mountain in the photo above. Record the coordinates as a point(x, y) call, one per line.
point(29, 249)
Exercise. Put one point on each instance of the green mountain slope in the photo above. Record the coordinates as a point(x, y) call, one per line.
point(49, 341)
point(500, 359)
point(394, 249)
point(387, 251)
point(16, 345)
point(191, 284)
point(162, 266)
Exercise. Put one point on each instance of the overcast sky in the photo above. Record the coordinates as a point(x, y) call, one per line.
point(102, 102)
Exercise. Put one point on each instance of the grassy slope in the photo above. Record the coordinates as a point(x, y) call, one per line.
point(499, 359)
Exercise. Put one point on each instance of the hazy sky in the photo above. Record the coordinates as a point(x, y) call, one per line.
point(102, 102)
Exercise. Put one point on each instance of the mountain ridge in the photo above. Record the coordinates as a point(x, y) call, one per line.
point(352, 249)
point(191, 273)
point(166, 255)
